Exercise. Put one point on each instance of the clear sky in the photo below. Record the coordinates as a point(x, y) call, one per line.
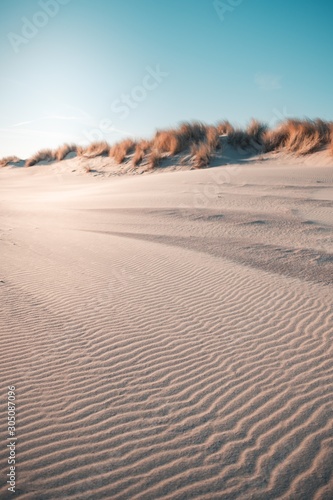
point(82, 70)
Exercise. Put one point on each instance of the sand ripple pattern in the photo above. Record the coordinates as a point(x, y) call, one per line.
point(147, 371)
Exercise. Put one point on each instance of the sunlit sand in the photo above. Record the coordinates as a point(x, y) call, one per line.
point(170, 333)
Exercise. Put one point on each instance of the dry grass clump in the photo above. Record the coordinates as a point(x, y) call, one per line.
point(213, 137)
point(168, 141)
point(298, 136)
point(201, 154)
point(154, 159)
point(121, 149)
point(174, 141)
point(274, 140)
point(314, 135)
point(42, 155)
point(192, 132)
point(140, 150)
point(100, 148)
point(8, 159)
point(139, 155)
point(256, 130)
point(302, 137)
point(225, 128)
point(251, 138)
point(239, 139)
point(65, 150)
point(331, 139)
point(324, 128)
point(199, 142)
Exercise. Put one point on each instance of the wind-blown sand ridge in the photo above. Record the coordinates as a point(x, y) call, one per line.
point(170, 336)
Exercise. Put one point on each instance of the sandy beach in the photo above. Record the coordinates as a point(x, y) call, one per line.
point(170, 335)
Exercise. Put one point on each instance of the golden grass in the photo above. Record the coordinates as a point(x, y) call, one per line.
point(8, 159)
point(200, 141)
point(154, 159)
point(192, 132)
point(224, 128)
point(324, 129)
point(256, 130)
point(213, 137)
point(300, 137)
point(65, 150)
point(140, 150)
point(306, 137)
point(201, 154)
point(101, 148)
point(275, 139)
point(239, 139)
point(168, 141)
point(138, 156)
point(42, 155)
point(251, 138)
point(174, 141)
point(121, 149)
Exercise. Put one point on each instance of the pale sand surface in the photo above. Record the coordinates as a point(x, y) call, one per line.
point(169, 335)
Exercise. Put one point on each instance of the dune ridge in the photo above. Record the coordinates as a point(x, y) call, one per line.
point(160, 348)
point(196, 144)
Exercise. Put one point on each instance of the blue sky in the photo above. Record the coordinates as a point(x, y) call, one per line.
point(83, 70)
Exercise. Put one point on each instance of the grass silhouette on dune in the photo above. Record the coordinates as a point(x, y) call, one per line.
point(200, 141)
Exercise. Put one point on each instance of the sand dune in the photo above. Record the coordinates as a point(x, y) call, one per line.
point(170, 336)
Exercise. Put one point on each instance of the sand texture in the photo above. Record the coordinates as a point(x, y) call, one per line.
point(169, 335)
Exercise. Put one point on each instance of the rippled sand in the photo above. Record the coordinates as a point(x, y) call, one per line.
point(169, 336)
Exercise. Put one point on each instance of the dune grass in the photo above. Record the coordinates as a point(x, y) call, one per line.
point(154, 159)
point(65, 150)
point(138, 156)
point(168, 141)
point(174, 141)
point(275, 139)
point(196, 138)
point(306, 136)
point(252, 138)
point(140, 151)
point(193, 131)
point(299, 137)
point(100, 148)
point(8, 159)
point(199, 141)
point(256, 131)
point(47, 155)
point(213, 138)
point(122, 149)
point(201, 154)
point(239, 139)
point(225, 128)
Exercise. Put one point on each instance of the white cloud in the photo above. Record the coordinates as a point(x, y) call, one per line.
point(267, 81)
